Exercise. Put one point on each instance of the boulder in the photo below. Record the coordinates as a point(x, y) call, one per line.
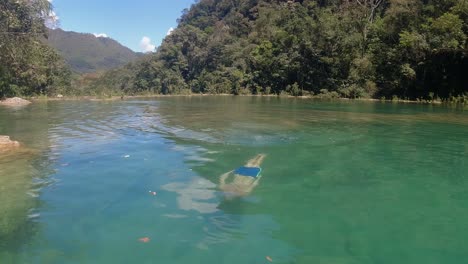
point(7, 143)
point(15, 101)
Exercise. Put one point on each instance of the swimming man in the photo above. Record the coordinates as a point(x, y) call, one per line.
point(242, 185)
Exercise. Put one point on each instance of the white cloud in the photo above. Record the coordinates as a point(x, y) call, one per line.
point(53, 16)
point(146, 45)
point(100, 35)
point(51, 19)
point(169, 31)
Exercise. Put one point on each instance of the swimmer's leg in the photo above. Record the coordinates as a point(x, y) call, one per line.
point(246, 183)
point(249, 188)
point(255, 183)
point(222, 179)
point(242, 180)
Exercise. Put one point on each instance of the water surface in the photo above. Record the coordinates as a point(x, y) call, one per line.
point(343, 182)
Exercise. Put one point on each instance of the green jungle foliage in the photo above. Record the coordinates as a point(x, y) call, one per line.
point(27, 66)
point(85, 53)
point(412, 49)
point(349, 48)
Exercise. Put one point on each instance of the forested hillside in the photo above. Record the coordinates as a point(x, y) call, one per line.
point(86, 53)
point(349, 48)
point(408, 49)
point(27, 66)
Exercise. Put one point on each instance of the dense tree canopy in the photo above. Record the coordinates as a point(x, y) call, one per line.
point(27, 66)
point(351, 48)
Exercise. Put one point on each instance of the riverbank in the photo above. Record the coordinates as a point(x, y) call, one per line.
point(7, 145)
point(15, 101)
point(305, 97)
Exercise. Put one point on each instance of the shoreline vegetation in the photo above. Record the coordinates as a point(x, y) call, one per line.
point(457, 101)
point(396, 50)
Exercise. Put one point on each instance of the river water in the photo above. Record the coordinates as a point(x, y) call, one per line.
point(342, 182)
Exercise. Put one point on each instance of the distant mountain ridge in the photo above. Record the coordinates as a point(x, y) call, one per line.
point(87, 53)
point(409, 49)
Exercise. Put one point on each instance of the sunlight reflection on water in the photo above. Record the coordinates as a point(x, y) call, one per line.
point(335, 172)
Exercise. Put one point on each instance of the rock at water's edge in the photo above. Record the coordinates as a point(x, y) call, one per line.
point(6, 142)
point(14, 101)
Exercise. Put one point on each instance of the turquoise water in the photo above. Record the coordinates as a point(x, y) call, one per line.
point(343, 182)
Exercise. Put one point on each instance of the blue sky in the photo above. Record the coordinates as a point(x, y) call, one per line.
point(126, 21)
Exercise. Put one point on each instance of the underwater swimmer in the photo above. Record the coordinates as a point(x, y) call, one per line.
point(245, 179)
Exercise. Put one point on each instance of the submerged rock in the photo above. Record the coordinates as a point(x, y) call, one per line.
point(18, 197)
point(6, 143)
point(15, 101)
